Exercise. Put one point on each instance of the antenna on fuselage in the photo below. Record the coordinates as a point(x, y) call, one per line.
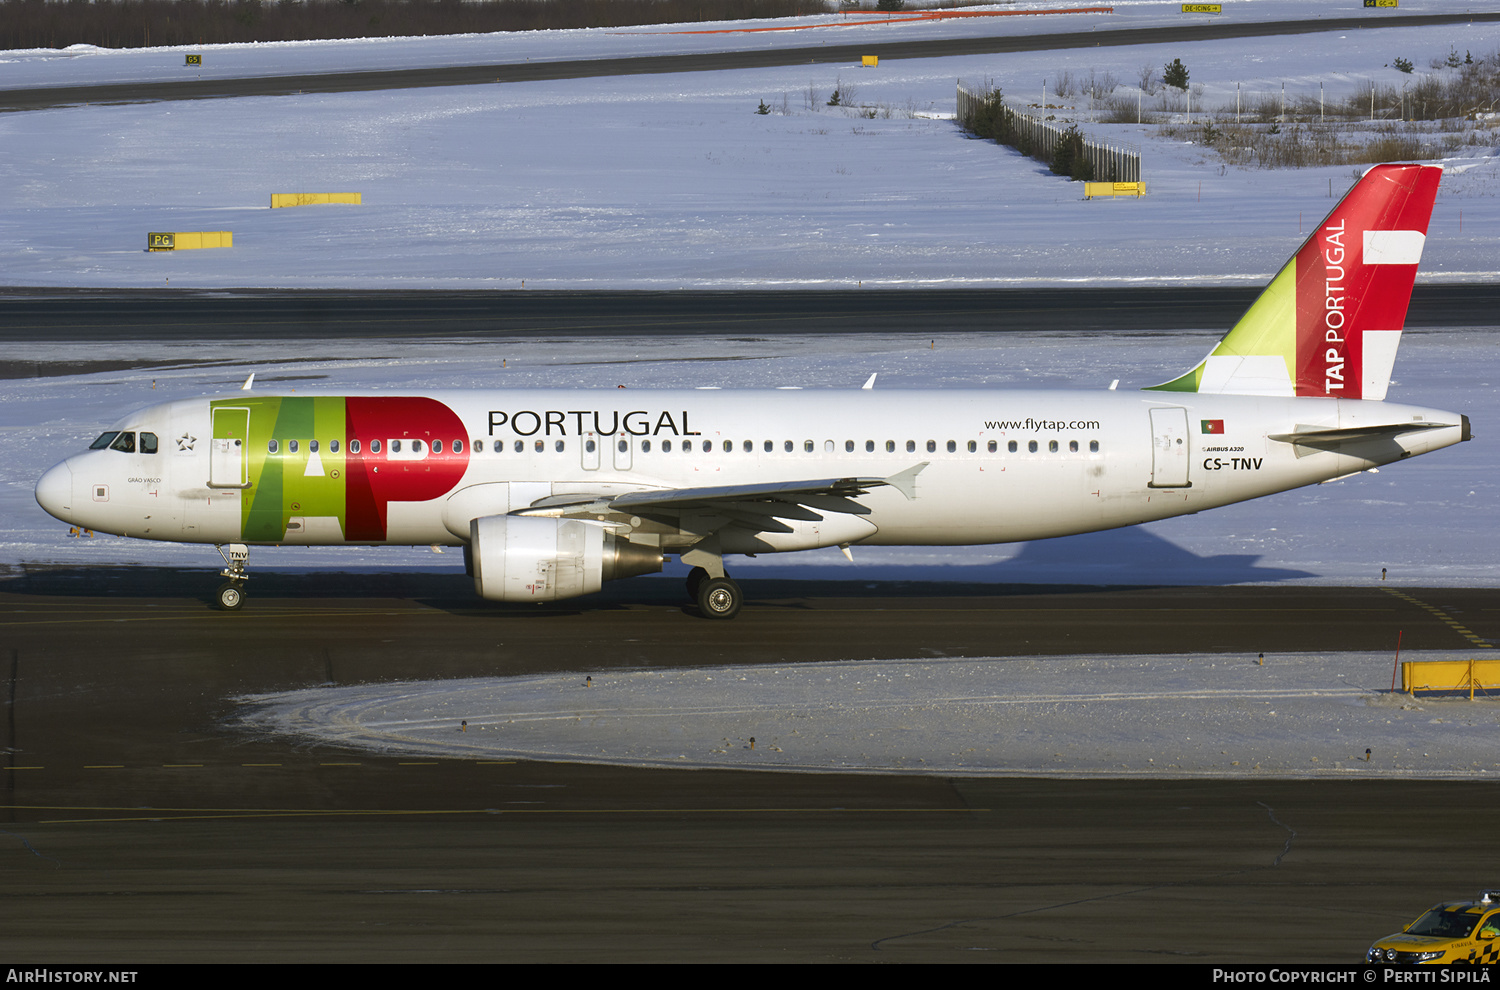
point(248, 382)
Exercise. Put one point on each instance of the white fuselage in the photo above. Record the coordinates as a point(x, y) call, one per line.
point(1002, 466)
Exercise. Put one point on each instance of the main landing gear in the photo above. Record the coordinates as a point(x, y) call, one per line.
point(717, 597)
point(231, 594)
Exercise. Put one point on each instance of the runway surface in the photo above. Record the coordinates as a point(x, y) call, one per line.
point(343, 82)
point(142, 824)
point(105, 315)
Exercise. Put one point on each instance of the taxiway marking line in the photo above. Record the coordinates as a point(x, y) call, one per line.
point(1438, 613)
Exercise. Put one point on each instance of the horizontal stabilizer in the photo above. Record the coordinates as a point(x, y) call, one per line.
point(1319, 438)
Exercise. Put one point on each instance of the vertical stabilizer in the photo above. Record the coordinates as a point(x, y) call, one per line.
point(1329, 322)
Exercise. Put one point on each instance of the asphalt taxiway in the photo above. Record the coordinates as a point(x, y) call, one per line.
point(144, 822)
point(198, 88)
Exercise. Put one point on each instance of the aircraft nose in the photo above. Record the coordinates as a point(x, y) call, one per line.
point(54, 492)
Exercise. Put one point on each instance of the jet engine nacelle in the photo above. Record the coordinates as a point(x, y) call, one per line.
point(534, 559)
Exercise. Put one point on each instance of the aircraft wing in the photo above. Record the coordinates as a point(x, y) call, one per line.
point(759, 503)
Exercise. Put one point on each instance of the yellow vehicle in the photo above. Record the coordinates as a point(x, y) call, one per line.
point(1452, 932)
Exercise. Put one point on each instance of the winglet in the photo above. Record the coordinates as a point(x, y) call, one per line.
point(905, 482)
point(248, 382)
point(871, 382)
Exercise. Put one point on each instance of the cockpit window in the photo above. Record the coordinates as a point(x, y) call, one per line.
point(124, 442)
point(105, 439)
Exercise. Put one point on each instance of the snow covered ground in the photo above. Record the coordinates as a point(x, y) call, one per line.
point(1306, 715)
point(674, 181)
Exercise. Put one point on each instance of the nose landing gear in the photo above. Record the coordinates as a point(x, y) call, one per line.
point(231, 594)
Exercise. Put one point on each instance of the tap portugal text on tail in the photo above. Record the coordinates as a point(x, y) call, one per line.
point(553, 492)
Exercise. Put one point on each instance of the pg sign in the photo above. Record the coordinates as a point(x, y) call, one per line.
point(161, 242)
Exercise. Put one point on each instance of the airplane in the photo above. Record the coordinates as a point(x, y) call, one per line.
point(553, 492)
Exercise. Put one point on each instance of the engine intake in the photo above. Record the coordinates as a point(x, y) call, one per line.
point(533, 559)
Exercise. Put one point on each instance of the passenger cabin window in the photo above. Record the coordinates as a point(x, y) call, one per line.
point(272, 446)
point(353, 446)
point(1011, 447)
point(291, 445)
point(333, 446)
point(312, 446)
point(375, 446)
point(1093, 446)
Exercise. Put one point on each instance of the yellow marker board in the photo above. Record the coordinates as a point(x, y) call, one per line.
point(189, 240)
point(1093, 190)
point(282, 200)
point(1203, 8)
point(1450, 675)
point(870, 60)
point(194, 60)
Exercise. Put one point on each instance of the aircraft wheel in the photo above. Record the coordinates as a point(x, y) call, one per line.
point(719, 598)
point(229, 596)
point(695, 580)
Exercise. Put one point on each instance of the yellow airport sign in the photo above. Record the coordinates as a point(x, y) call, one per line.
point(189, 240)
point(282, 200)
point(1093, 190)
point(1450, 675)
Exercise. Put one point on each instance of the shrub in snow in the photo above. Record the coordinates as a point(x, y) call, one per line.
point(1175, 74)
